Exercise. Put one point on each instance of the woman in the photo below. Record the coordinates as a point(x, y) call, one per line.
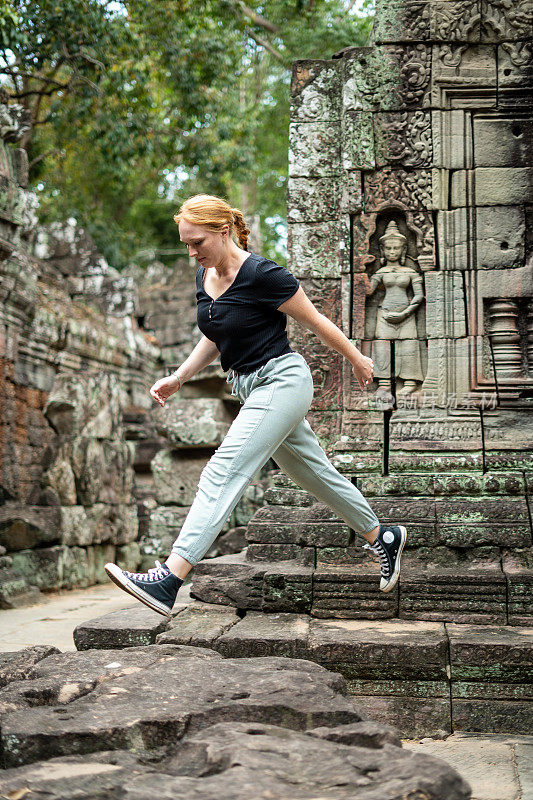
point(242, 303)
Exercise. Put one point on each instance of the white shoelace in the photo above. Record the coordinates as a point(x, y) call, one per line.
point(156, 573)
point(383, 560)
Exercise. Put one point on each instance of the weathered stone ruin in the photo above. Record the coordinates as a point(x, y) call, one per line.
point(87, 471)
point(187, 723)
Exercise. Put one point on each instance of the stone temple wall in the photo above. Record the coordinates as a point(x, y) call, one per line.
point(429, 129)
point(410, 214)
point(71, 363)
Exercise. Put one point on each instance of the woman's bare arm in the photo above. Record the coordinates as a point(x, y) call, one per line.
point(303, 311)
point(203, 354)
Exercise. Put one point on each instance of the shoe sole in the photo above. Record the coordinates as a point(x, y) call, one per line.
point(396, 574)
point(118, 578)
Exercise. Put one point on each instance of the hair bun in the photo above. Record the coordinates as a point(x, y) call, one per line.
point(214, 213)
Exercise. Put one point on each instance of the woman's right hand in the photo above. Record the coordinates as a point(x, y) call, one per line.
point(164, 388)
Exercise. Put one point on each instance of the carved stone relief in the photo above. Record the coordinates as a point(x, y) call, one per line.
point(455, 20)
point(313, 199)
point(515, 64)
point(391, 316)
point(506, 19)
point(315, 91)
point(401, 21)
point(413, 189)
point(421, 246)
point(387, 78)
point(318, 249)
point(358, 150)
point(314, 149)
point(403, 139)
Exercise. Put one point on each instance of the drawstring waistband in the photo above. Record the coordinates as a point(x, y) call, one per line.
point(231, 379)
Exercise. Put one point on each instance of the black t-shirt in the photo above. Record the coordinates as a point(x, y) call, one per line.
point(244, 322)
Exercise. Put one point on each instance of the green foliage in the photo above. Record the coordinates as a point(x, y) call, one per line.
point(136, 105)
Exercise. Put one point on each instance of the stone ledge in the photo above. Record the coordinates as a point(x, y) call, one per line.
point(199, 625)
point(134, 626)
point(414, 673)
point(437, 584)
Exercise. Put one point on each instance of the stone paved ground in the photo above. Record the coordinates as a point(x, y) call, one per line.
point(497, 767)
point(52, 621)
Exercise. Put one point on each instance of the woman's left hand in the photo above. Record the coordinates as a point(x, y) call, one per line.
point(363, 369)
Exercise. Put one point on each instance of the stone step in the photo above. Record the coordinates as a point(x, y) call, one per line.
point(465, 522)
point(133, 626)
point(426, 678)
point(439, 584)
point(431, 484)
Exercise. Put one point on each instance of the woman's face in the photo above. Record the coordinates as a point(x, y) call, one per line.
point(206, 246)
point(392, 249)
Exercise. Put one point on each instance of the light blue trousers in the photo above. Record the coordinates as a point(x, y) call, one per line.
point(270, 424)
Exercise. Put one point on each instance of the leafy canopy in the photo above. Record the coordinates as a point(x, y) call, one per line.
point(136, 105)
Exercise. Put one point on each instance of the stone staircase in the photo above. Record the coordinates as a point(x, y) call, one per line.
point(468, 558)
point(449, 650)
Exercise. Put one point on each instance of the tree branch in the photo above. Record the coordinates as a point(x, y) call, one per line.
point(71, 56)
point(43, 155)
point(33, 76)
point(263, 43)
point(257, 19)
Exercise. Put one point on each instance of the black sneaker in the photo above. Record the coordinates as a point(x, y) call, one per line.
point(388, 546)
point(156, 588)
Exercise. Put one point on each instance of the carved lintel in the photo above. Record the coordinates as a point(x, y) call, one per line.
point(413, 189)
point(503, 20)
point(455, 20)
